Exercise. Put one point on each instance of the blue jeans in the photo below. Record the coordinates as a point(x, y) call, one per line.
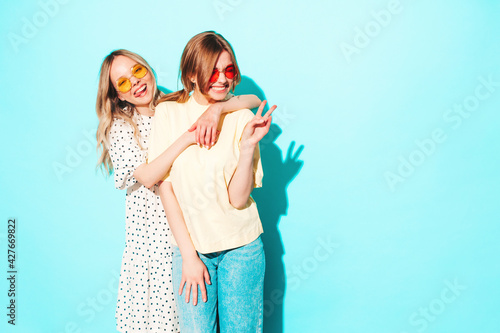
point(235, 295)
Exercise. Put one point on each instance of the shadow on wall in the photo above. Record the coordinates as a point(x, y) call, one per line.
point(272, 202)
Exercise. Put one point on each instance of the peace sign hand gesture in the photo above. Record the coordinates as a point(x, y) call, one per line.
point(257, 128)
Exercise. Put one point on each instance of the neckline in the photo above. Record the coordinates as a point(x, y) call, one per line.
point(192, 100)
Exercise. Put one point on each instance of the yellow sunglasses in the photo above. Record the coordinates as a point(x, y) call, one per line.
point(124, 85)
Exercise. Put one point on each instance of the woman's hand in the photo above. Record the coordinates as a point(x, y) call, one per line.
point(194, 274)
point(206, 126)
point(257, 128)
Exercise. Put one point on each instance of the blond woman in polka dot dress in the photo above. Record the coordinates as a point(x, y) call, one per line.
point(126, 97)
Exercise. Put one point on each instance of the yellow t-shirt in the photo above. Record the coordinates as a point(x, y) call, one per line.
point(200, 177)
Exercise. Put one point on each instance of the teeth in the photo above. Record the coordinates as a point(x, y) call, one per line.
point(140, 90)
point(218, 88)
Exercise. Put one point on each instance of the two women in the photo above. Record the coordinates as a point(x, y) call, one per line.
point(126, 97)
point(218, 262)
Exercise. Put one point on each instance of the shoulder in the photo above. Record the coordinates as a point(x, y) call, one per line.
point(161, 107)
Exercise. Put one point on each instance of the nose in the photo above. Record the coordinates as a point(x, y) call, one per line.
point(222, 77)
point(134, 80)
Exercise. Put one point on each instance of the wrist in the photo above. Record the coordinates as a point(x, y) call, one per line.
point(218, 108)
point(189, 254)
point(191, 257)
point(188, 138)
point(247, 147)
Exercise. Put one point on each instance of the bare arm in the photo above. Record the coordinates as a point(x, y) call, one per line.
point(240, 102)
point(194, 271)
point(206, 125)
point(241, 184)
point(148, 174)
point(242, 181)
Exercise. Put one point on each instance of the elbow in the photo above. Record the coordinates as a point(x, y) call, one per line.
point(238, 197)
point(138, 174)
point(148, 184)
point(238, 204)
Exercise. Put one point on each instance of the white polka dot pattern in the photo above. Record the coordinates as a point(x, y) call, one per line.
point(145, 296)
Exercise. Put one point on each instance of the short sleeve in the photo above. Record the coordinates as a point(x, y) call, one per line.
point(245, 117)
point(159, 139)
point(125, 152)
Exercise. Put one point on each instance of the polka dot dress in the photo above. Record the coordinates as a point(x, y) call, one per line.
point(145, 295)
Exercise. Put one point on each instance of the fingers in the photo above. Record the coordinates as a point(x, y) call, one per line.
point(183, 282)
point(193, 127)
point(298, 152)
point(193, 287)
point(195, 294)
point(207, 140)
point(206, 275)
point(200, 137)
point(214, 136)
point(260, 121)
point(187, 292)
point(206, 136)
point(268, 113)
point(264, 129)
point(289, 152)
point(197, 135)
point(203, 134)
point(203, 292)
point(261, 108)
point(269, 120)
point(290, 155)
point(267, 126)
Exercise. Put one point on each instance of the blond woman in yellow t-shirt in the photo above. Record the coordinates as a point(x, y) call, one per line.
point(218, 253)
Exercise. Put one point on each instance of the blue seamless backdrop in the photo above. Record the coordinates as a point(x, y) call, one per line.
point(381, 189)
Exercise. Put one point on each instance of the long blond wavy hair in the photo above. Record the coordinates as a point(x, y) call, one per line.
point(198, 60)
point(109, 107)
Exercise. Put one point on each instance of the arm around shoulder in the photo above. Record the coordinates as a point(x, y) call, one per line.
point(163, 150)
point(151, 173)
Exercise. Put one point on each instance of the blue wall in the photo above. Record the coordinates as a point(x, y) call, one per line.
point(381, 197)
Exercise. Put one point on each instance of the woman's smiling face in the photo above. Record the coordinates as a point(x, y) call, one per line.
point(219, 89)
point(141, 91)
point(221, 85)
